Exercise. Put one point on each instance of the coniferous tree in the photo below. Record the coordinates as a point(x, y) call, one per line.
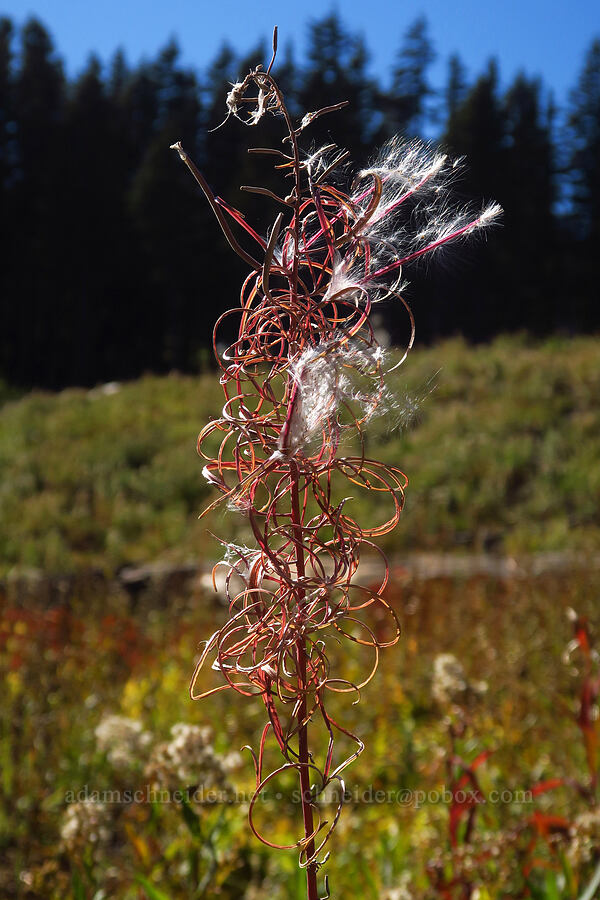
point(40, 92)
point(111, 261)
point(337, 72)
point(528, 200)
point(95, 248)
point(136, 98)
point(456, 87)
point(168, 221)
point(219, 151)
point(118, 74)
point(408, 112)
point(7, 107)
point(583, 172)
point(584, 122)
point(481, 303)
point(8, 162)
point(477, 130)
point(222, 150)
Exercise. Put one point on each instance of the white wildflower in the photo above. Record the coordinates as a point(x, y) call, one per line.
point(232, 761)
point(189, 758)
point(585, 837)
point(449, 681)
point(84, 823)
point(450, 684)
point(123, 740)
point(402, 891)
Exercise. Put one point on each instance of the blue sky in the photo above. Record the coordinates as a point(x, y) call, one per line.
point(543, 37)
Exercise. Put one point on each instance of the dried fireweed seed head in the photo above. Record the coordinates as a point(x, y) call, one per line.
point(304, 373)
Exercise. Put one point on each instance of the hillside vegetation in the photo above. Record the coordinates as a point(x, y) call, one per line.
point(503, 454)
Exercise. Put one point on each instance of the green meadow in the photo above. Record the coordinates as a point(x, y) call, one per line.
point(490, 692)
point(500, 443)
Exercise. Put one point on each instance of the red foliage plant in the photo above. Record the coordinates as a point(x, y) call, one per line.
point(301, 381)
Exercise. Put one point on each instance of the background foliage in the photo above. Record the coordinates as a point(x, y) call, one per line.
point(66, 668)
point(111, 266)
point(499, 442)
point(112, 269)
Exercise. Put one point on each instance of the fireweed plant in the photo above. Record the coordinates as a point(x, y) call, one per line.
point(301, 380)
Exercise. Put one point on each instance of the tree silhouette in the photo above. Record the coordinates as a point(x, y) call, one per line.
point(456, 88)
point(168, 222)
point(410, 87)
point(336, 73)
point(36, 245)
point(528, 196)
point(477, 131)
point(583, 139)
point(584, 122)
point(111, 267)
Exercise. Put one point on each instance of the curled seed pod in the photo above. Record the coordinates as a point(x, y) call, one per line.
point(301, 380)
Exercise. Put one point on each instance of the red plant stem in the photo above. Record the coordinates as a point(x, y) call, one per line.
point(303, 754)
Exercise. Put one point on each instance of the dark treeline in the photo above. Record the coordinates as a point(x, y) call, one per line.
point(111, 264)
